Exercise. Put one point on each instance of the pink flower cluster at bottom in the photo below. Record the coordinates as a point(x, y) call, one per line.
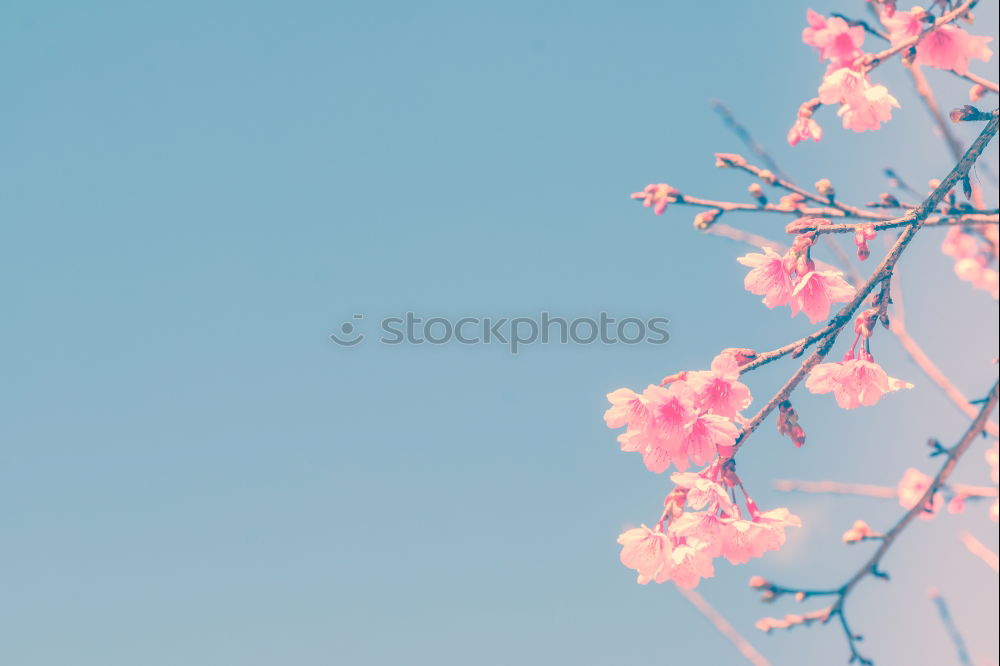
point(684, 550)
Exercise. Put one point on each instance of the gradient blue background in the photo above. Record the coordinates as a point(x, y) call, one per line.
point(196, 194)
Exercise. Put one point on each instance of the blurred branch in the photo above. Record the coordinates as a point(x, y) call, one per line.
point(949, 625)
point(723, 627)
point(980, 550)
point(871, 566)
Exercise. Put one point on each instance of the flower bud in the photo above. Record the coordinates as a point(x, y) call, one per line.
point(825, 187)
point(757, 192)
point(723, 160)
point(705, 219)
point(766, 176)
point(976, 93)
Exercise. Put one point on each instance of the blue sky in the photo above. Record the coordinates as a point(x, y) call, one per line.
point(195, 195)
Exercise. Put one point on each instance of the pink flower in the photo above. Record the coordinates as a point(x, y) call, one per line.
point(706, 435)
point(719, 391)
point(626, 406)
point(672, 411)
point(745, 539)
point(946, 47)
point(853, 382)
point(702, 492)
point(804, 129)
point(647, 552)
point(657, 196)
point(817, 291)
point(950, 47)
point(768, 277)
point(843, 86)
point(863, 106)
point(703, 529)
point(869, 112)
point(903, 25)
point(835, 40)
point(911, 489)
point(688, 565)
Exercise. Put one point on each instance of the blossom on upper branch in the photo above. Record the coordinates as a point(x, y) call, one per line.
point(791, 279)
point(834, 38)
point(945, 47)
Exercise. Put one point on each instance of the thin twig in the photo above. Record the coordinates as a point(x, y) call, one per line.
point(723, 627)
point(744, 135)
point(827, 336)
point(980, 550)
point(949, 625)
point(871, 566)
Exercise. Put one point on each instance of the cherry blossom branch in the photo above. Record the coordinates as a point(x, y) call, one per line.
point(723, 627)
point(980, 550)
point(896, 326)
point(724, 160)
point(949, 625)
point(962, 220)
point(871, 566)
point(968, 76)
point(872, 60)
point(827, 336)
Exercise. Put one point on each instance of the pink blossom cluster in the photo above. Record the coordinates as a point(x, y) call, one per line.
point(688, 420)
point(974, 254)
point(792, 279)
point(681, 547)
point(945, 47)
point(856, 380)
point(863, 105)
